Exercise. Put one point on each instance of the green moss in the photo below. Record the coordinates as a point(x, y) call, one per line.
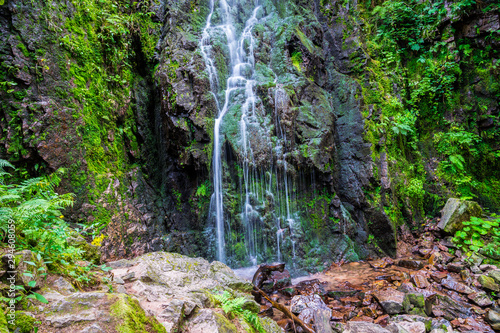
point(4, 328)
point(24, 50)
point(23, 322)
point(132, 318)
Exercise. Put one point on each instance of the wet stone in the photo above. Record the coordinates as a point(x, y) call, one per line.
point(438, 276)
point(351, 300)
point(480, 298)
point(390, 299)
point(441, 323)
point(382, 320)
point(420, 281)
point(336, 315)
point(424, 252)
point(449, 308)
point(493, 318)
point(455, 267)
point(277, 280)
point(471, 324)
point(488, 283)
point(495, 275)
point(452, 284)
point(411, 263)
point(489, 268)
point(417, 304)
point(365, 319)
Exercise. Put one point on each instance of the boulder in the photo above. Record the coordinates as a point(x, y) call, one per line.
point(480, 298)
point(449, 308)
point(455, 212)
point(488, 283)
point(93, 311)
point(495, 275)
point(390, 299)
point(171, 286)
point(493, 318)
point(208, 320)
point(300, 303)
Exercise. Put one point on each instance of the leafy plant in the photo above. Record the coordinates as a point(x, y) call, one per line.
point(233, 308)
point(476, 233)
point(23, 294)
point(36, 208)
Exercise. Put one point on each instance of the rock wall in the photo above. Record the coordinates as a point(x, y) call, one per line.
point(118, 95)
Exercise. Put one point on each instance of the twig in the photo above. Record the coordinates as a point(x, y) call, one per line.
point(285, 310)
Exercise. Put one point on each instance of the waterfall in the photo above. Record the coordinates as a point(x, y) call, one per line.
point(259, 185)
point(242, 65)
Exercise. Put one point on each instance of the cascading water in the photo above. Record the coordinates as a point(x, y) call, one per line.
point(240, 61)
point(257, 184)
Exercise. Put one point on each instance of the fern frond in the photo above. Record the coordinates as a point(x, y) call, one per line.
point(8, 197)
point(28, 208)
point(5, 164)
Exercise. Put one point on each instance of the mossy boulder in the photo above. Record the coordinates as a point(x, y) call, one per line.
point(174, 287)
point(131, 317)
point(24, 322)
point(95, 311)
point(457, 211)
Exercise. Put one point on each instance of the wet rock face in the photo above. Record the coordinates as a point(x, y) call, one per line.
point(163, 120)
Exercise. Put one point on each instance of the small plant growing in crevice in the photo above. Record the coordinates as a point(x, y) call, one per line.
point(233, 307)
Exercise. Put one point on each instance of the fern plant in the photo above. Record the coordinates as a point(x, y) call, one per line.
point(233, 307)
point(35, 207)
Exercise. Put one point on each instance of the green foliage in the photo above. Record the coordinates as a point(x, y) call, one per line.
point(202, 190)
point(479, 234)
point(423, 110)
point(23, 295)
point(36, 209)
point(297, 60)
point(233, 308)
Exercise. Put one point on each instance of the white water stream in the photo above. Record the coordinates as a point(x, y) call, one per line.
point(240, 90)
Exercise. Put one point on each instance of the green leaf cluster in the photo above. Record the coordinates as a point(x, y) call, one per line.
point(478, 233)
point(233, 307)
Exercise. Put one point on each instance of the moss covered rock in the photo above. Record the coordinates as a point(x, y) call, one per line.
point(131, 317)
point(457, 211)
point(95, 311)
point(24, 322)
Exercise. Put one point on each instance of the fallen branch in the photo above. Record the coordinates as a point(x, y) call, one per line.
point(285, 310)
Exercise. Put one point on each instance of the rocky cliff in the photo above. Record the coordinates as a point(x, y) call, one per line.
point(380, 126)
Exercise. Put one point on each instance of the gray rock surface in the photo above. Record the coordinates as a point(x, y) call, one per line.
point(457, 211)
point(364, 327)
point(390, 299)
